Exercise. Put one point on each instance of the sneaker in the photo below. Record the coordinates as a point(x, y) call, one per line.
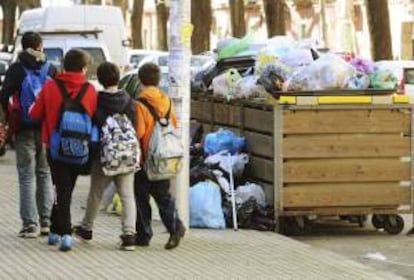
point(53, 239)
point(141, 241)
point(128, 242)
point(28, 232)
point(66, 243)
point(175, 238)
point(44, 231)
point(82, 233)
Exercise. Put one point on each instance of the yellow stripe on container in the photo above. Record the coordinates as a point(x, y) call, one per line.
point(287, 100)
point(344, 100)
point(400, 98)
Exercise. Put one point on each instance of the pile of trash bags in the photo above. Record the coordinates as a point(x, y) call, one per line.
point(283, 64)
point(216, 165)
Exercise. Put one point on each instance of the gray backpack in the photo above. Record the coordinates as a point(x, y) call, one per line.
point(120, 148)
point(164, 158)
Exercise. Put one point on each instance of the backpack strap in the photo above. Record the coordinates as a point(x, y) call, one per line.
point(44, 71)
point(65, 92)
point(152, 110)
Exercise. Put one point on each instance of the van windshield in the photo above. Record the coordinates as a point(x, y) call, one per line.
point(97, 57)
point(55, 57)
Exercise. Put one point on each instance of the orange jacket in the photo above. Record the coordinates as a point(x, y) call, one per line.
point(145, 122)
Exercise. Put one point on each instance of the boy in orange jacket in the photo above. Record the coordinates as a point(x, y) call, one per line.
point(149, 75)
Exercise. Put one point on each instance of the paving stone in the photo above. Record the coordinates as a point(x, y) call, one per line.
point(203, 254)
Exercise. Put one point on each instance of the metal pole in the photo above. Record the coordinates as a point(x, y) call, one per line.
point(233, 194)
point(179, 89)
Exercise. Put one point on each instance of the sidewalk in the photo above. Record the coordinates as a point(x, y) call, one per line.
point(203, 254)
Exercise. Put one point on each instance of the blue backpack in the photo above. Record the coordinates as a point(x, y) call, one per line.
point(31, 86)
point(70, 142)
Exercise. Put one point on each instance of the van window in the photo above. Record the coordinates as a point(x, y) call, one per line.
point(98, 57)
point(163, 60)
point(55, 57)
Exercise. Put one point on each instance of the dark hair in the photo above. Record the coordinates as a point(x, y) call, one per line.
point(75, 60)
point(31, 40)
point(149, 74)
point(108, 74)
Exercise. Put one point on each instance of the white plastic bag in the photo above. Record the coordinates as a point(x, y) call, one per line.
point(247, 87)
point(328, 72)
point(239, 161)
point(223, 84)
point(243, 193)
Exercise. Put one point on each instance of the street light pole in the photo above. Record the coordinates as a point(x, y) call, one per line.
point(179, 89)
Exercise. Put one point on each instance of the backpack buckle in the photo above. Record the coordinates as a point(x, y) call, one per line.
point(163, 121)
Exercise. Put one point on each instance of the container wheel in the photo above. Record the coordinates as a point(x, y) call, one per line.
point(378, 221)
point(361, 220)
point(393, 224)
point(295, 225)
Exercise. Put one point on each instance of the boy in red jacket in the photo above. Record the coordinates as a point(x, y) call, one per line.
point(47, 108)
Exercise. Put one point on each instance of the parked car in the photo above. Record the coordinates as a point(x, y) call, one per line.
point(135, 56)
point(131, 84)
point(197, 62)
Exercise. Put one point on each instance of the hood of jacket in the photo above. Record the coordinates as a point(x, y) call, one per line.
point(110, 103)
point(113, 102)
point(32, 59)
point(73, 81)
point(157, 98)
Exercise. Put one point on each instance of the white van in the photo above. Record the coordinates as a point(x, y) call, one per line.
point(77, 19)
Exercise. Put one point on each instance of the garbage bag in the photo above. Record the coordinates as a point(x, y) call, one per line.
point(245, 192)
point(224, 84)
point(362, 65)
point(328, 72)
point(205, 206)
point(223, 140)
point(273, 77)
point(247, 87)
point(359, 81)
point(235, 46)
point(383, 79)
point(238, 162)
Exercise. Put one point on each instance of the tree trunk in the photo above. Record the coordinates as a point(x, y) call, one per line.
point(238, 22)
point(27, 4)
point(93, 2)
point(9, 21)
point(201, 18)
point(136, 24)
point(275, 17)
point(379, 29)
point(162, 18)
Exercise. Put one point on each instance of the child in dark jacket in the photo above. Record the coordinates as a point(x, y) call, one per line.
point(47, 108)
point(111, 101)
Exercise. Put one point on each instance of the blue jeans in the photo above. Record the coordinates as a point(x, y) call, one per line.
point(36, 194)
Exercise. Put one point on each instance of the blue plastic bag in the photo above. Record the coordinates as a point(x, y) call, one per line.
point(205, 206)
point(223, 140)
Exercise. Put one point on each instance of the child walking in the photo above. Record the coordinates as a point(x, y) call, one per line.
point(69, 85)
point(153, 98)
point(111, 102)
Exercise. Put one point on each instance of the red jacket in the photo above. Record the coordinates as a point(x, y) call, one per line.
point(48, 104)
